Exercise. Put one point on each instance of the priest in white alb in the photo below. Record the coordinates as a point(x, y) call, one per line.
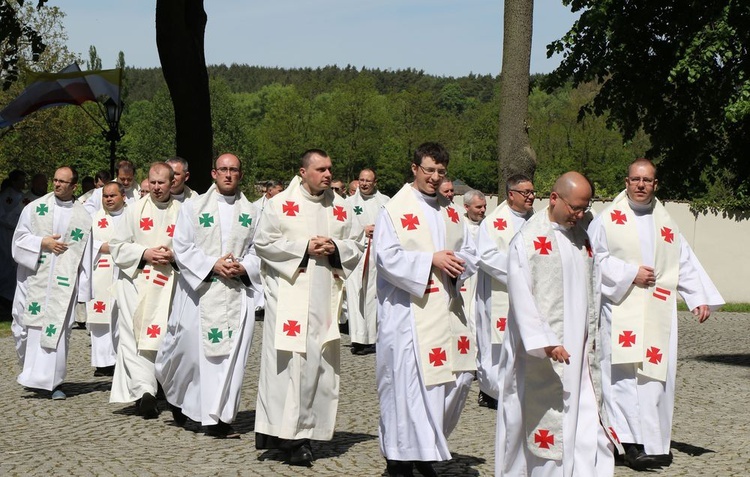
point(52, 246)
point(307, 247)
point(550, 421)
point(362, 305)
point(180, 191)
point(125, 175)
point(492, 304)
point(426, 353)
point(645, 262)
point(142, 248)
point(201, 362)
point(101, 310)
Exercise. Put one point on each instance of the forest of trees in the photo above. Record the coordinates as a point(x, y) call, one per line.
point(361, 117)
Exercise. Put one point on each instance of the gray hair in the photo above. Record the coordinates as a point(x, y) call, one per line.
point(470, 195)
point(178, 160)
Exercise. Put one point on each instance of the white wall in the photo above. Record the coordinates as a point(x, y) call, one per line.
point(720, 242)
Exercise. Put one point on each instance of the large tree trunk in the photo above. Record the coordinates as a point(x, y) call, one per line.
point(180, 29)
point(515, 154)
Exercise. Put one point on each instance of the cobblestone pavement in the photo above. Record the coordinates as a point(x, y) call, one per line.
point(85, 435)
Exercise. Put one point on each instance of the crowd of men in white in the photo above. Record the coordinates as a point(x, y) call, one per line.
point(568, 321)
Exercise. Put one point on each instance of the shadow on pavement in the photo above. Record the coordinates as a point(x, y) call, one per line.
point(336, 447)
point(731, 359)
point(71, 389)
point(689, 449)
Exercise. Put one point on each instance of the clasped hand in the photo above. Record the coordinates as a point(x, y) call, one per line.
point(228, 267)
point(160, 255)
point(320, 246)
point(448, 262)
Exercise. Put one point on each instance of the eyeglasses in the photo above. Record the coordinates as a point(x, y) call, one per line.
point(645, 180)
point(227, 170)
point(576, 210)
point(431, 170)
point(60, 181)
point(525, 193)
point(338, 189)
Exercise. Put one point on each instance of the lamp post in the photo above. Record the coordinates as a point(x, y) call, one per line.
point(112, 113)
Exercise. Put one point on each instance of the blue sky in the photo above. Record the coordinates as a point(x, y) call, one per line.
point(441, 37)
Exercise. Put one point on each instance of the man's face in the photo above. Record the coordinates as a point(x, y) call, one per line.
point(367, 182)
point(62, 182)
point(338, 187)
point(227, 174)
point(180, 177)
point(112, 199)
point(145, 188)
point(316, 177)
point(428, 175)
point(567, 211)
point(521, 197)
point(476, 209)
point(446, 189)
point(272, 191)
point(125, 178)
point(159, 183)
point(641, 183)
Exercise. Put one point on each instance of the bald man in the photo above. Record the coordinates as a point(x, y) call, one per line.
point(550, 422)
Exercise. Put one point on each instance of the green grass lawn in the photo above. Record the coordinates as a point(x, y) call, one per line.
point(4, 329)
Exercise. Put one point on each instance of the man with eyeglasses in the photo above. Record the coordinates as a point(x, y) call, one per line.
point(201, 362)
point(492, 304)
point(645, 262)
point(362, 305)
point(337, 185)
point(141, 247)
point(52, 246)
point(426, 354)
point(549, 422)
point(308, 247)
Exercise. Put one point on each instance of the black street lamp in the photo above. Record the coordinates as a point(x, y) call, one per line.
point(112, 113)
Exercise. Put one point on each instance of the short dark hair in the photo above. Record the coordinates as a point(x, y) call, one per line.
point(119, 185)
point(514, 180)
point(126, 166)
point(435, 150)
point(307, 155)
point(74, 180)
point(103, 176)
point(179, 160)
point(88, 180)
point(16, 174)
point(273, 183)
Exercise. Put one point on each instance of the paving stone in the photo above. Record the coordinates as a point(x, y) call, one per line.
point(85, 435)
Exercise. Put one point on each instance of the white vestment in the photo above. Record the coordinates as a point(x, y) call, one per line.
point(586, 450)
point(493, 265)
point(94, 202)
point(104, 335)
point(641, 408)
point(415, 419)
point(206, 388)
point(134, 370)
point(361, 299)
point(298, 392)
point(44, 368)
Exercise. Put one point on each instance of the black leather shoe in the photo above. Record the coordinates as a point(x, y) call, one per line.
point(147, 407)
point(637, 459)
point(399, 468)
point(104, 371)
point(425, 468)
point(179, 418)
point(302, 455)
point(222, 430)
point(485, 400)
